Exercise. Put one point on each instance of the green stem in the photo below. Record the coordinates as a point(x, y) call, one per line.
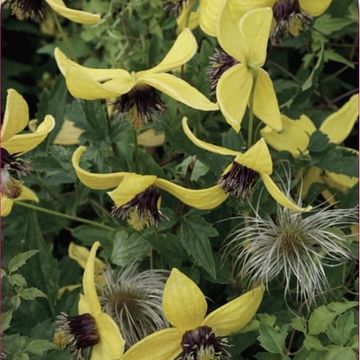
point(136, 151)
point(65, 216)
point(251, 111)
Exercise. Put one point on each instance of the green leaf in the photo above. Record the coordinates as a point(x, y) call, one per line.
point(298, 323)
point(17, 280)
point(320, 319)
point(312, 342)
point(334, 56)
point(20, 259)
point(314, 75)
point(21, 356)
point(327, 25)
point(40, 346)
point(341, 332)
point(6, 319)
point(31, 293)
point(194, 236)
point(88, 234)
point(128, 249)
point(272, 340)
point(319, 142)
point(340, 353)
point(341, 307)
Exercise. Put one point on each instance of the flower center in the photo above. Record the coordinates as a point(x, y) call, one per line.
point(238, 180)
point(142, 102)
point(76, 333)
point(202, 344)
point(175, 6)
point(220, 61)
point(12, 170)
point(290, 19)
point(28, 9)
point(142, 210)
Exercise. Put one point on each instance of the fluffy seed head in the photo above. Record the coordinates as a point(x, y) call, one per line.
point(294, 246)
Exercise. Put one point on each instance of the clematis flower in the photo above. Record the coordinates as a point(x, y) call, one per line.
point(246, 83)
point(137, 197)
point(137, 92)
point(36, 9)
point(239, 177)
point(195, 335)
point(13, 168)
point(92, 328)
point(291, 16)
point(206, 15)
point(295, 139)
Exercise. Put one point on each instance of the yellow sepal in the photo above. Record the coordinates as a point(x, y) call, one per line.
point(314, 8)
point(209, 15)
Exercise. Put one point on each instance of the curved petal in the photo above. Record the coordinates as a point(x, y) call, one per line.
point(69, 134)
point(203, 199)
point(314, 8)
point(25, 142)
point(81, 254)
point(81, 17)
point(112, 344)
point(312, 175)
point(83, 305)
point(209, 15)
point(278, 196)
point(182, 51)
point(27, 194)
point(131, 185)
point(16, 115)
point(205, 145)
point(339, 124)
point(93, 180)
point(188, 18)
point(151, 138)
point(68, 288)
point(257, 158)
point(184, 304)
point(266, 106)
point(293, 138)
point(339, 181)
point(161, 345)
point(239, 8)
point(234, 315)
point(89, 288)
point(179, 90)
point(228, 34)
point(89, 83)
point(232, 93)
point(254, 29)
point(6, 205)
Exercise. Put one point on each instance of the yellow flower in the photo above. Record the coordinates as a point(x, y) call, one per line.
point(239, 176)
point(137, 197)
point(206, 15)
point(194, 334)
point(92, 327)
point(295, 139)
point(136, 91)
point(290, 16)
point(69, 134)
point(246, 83)
point(13, 168)
point(35, 10)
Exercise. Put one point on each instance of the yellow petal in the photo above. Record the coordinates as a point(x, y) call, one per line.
point(27, 194)
point(240, 7)
point(266, 106)
point(16, 115)
point(181, 52)
point(93, 180)
point(234, 315)
point(179, 90)
point(26, 142)
point(257, 158)
point(131, 185)
point(278, 196)
point(339, 181)
point(184, 304)
point(203, 199)
point(69, 134)
point(187, 18)
point(312, 175)
point(81, 255)
point(81, 17)
point(314, 8)
point(209, 15)
point(6, 206)
point(151, 138)
point(203, 144)
point(83, 305)
point(293, 138)
point(338, 125)
point(89, 83)
point(232, 93)
point(68, 288)
point(112, 344)
point(89, 282)
point(161, 345)
point(228, 34)
point(254, 29)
